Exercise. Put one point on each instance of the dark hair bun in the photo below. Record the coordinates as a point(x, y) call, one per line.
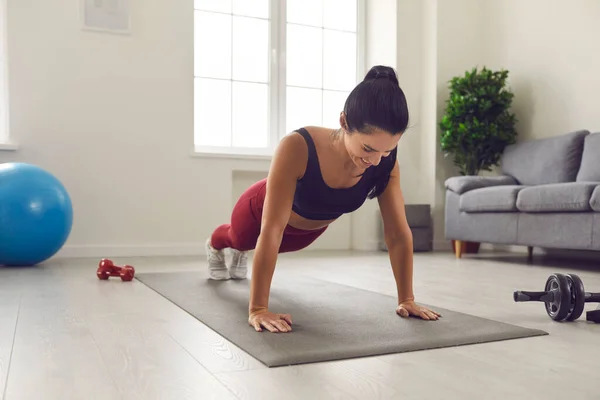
point(382, 72)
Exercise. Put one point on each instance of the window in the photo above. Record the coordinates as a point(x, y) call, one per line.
point(263, 68)
point(3, 76)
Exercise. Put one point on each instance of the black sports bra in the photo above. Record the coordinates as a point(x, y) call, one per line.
point(315, 200)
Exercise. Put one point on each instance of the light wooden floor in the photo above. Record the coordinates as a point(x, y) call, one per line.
point(66, 335)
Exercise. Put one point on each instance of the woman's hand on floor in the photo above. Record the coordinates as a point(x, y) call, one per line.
point(408, 308)
point(271, 321)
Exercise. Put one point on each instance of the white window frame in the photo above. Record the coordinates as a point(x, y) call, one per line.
point(5, 143)
point(277, 83)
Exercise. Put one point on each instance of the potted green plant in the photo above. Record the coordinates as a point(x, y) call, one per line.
point(477, 123)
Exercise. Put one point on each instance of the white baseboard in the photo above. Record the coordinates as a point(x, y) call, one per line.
point(440, 245)
point(368, 245)
point(182, 249)
point(158, 250)
point(108, 251)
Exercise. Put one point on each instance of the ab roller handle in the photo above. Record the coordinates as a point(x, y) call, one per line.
point(520, 296)
point(593, 316)
point(592, 297)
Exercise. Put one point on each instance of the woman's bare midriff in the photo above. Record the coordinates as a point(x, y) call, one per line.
point(299, 222)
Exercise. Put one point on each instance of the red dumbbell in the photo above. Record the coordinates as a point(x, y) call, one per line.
point(106, 268)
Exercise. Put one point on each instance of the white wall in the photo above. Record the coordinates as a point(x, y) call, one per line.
point(552, 51)
point(411, 76)
point(4, 139)
point(112, 117)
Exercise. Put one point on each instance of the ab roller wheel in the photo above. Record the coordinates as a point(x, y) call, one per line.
point(577, 298)
point(564, 298)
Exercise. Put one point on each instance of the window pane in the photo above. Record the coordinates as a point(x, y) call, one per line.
point(250, 49)
point(212, 45)
point(303, 107)
point(212, 112)
point(339, 64)
point(306, 12)
point(213, 5)
point(252, 8)
point(339, 14)
point(333, 105)
point(304, 56)
point(250, 114)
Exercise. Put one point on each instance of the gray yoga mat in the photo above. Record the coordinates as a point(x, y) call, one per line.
point(330, 321)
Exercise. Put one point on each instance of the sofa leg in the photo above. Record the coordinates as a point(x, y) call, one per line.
point(458, 248)
point(529, 253)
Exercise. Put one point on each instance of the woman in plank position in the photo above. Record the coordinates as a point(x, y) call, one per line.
point(316, 176)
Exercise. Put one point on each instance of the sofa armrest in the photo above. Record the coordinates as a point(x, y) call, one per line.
point(462, 184)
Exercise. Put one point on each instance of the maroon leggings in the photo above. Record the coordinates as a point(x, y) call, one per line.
point(243, 230)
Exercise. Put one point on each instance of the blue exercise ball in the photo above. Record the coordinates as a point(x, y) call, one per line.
point(36, 214)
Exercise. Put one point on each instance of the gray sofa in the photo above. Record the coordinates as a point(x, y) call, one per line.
point(547, 195)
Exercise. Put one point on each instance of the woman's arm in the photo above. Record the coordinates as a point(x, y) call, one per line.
point(287, 166)
point(398, 236)
point(399, 241)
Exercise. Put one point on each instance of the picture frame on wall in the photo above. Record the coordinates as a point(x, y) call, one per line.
point(110, 16)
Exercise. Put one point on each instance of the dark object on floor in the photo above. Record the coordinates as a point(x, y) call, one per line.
point(593, 316)
point(420, 222)
point(564, 297)
point(330, 321)
point(106, 269)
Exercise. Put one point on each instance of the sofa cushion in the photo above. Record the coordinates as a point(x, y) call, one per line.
point(556, 197)
point(462, 184)
point(542, 161)
point(590, 162)
point(595, 199)
point(491, 199)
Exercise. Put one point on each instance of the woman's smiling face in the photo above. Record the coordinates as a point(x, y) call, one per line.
point(367, 149)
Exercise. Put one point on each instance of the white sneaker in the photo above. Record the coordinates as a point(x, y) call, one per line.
point(238, 268)
point(217, 269)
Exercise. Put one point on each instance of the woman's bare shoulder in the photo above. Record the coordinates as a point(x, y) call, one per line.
point(291, 154)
